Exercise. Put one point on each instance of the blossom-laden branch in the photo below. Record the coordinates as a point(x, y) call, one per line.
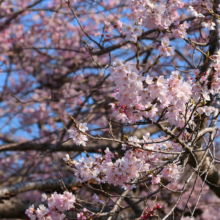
point(128, 75)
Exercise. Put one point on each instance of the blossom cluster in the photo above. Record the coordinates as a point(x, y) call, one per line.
point(154, 15)
point(194, 12)
point(132, 32)
point(149, 101)
point(57, 204)
point(207, 110)
point(171, 172)
point(151, 14)
point(196, 8)
point(210, 25)
point(165, 49)
point(77, 136)
point(180, 32)
point(137, 160)
point(128, 83)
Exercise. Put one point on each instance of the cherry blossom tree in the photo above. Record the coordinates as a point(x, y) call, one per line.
point(109, 109)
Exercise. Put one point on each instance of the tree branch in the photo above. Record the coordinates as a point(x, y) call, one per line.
point(93, 146)
point(52, 184)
